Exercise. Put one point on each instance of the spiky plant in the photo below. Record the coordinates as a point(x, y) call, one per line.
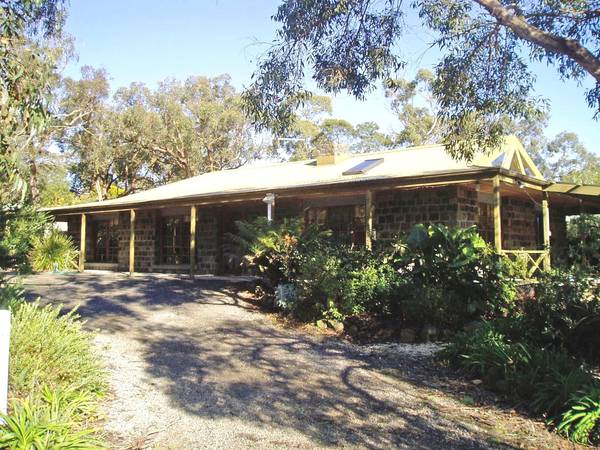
point(53, 252)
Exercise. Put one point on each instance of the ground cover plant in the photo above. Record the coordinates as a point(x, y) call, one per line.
point(56, 379)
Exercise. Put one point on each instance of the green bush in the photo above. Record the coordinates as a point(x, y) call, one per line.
point(51, 349)
point(18, 231)
point(454, 276)
point(565, 314)
point(53, 252)
point(583, 235)
point(56, 379)
point(551, 383)
point(272, 249)
point(581, 422)
point(53, 422)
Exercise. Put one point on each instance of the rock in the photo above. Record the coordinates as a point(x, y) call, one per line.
point(335, 325)
point(429, 333)
point(408, 335)
point(477, 382)
point(321, 324)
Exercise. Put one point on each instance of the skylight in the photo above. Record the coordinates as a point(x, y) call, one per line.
point(363, 167)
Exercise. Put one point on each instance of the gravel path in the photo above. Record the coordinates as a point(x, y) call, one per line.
point(192, 365)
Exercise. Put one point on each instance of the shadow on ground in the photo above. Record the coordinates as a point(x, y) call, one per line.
point(215, 357)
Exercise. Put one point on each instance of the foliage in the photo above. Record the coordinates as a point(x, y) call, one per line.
point(50, 423)
point(583, 234)
point(447, 277)
point(19, 229)
point(274, 248)
point(50, 348)
point(581, 422)
point(565, 314)
point(454, 275)
point(549, 382)
point(313, 131)
point(484, 73)
point(55, 376)
point(421, 124)
point(142, 137)
point(53, 252)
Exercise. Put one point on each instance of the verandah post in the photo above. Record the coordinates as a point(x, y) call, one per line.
point(193, 212)
point(82, 239)
point(546, 229)
point(369, 220)
point(131, 241)
point(497, 215)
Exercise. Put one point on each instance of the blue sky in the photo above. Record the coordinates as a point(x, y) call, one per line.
point(151, 40)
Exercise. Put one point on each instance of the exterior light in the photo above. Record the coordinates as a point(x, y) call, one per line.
point(270, 201)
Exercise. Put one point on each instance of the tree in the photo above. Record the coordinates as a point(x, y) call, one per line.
point(568, 160)
point(420, 121)
point(141, 137)
point(483, 74)
point(313, 131)
point(87, 140)
point(26, 75)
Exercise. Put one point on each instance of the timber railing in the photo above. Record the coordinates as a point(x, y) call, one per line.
point(532, 261)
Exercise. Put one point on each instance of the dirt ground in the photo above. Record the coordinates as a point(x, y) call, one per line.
point(193, 365)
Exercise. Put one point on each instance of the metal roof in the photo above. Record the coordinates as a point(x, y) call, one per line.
point(413, 162)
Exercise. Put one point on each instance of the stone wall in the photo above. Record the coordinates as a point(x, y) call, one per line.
point(397, 211)
point(520, 224)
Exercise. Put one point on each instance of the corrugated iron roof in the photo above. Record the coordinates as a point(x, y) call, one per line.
point(407, 162)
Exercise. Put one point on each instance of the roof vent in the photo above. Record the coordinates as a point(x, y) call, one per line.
point(363, 167)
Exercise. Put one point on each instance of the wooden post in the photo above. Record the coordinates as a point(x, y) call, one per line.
point(546, 229)
point(497, 215)
point(131, 242)
point(369, 220)
point(192, 240)
point(82, 243)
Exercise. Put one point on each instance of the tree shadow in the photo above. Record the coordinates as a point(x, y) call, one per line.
point(322, 389)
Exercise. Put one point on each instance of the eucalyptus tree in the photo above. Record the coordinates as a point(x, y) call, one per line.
point(484, 72)
point(26, 75)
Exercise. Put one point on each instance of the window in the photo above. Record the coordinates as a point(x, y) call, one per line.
point(347, 223)
point(106, 240)
point(174, 240)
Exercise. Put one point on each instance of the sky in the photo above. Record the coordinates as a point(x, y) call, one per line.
point(148, 41)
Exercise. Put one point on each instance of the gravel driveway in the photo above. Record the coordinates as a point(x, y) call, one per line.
point(192, 365)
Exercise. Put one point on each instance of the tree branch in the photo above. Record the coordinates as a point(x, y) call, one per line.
point(548, 41)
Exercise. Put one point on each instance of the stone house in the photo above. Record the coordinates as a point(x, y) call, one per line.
point(363, 198)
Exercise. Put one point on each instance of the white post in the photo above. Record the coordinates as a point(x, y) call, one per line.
point(4, 349)
point(269, 212)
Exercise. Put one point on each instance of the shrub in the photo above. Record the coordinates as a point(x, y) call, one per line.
point(455, 277)
point(581, 422)
point(272, 249)
point(56, 379)
point(53, 252)
point(551, 383)
point(18, 231)
point(50, 349)
point(50, 423)
point(565, 313)
point(583, 235)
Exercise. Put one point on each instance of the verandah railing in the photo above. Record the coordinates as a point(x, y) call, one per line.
point(531, 262)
